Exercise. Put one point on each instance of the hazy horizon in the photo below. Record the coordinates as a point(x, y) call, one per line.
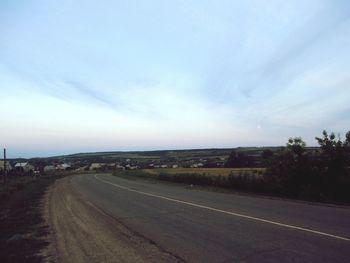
point(48, 155)
point(88, 76)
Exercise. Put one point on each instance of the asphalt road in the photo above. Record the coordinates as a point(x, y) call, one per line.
point(202, 226)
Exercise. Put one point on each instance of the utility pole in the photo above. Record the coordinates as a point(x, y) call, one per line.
point(5, 168)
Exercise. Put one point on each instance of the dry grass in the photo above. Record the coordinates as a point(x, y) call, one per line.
point(207, 171)
point(14, 184)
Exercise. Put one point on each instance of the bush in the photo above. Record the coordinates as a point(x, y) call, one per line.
point(322, 175)
point(293, 172)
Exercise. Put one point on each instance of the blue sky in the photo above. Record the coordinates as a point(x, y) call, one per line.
point(81, 76)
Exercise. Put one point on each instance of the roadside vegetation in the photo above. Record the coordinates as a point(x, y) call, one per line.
point(15, 184)
point(207, 171)
point(321, 174)
point(220, 177)
point(23, 230)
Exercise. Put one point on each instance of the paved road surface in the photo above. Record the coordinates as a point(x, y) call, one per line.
point(191, 225)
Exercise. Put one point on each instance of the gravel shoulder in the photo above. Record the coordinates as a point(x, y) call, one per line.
point(82, 232)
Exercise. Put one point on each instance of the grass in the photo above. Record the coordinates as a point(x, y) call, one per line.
point(23, 230)
point(14, 184)
point(247, 179)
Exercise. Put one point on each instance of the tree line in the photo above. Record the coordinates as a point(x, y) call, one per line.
point(322, 174)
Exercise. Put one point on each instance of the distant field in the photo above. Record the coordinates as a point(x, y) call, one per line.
point(207, 171)
point(154, 155)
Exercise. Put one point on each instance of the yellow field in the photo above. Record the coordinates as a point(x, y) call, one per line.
point(207, 171)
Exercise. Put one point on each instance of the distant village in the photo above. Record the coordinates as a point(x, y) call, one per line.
point(207, 158)
point(37, 167)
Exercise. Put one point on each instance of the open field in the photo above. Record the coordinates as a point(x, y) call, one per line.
point(207, 171)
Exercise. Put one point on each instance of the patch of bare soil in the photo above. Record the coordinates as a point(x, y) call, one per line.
point(82, 232)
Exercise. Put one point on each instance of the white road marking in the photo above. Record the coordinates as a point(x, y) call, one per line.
point(224, 212)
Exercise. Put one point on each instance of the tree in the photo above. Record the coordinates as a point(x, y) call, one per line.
point(333, 162)
point(296, 145)
point(266, 156)
point(333, 150)
point(289, 169)
point(329, 144)
point(346, 143)
point(238, 160)
point(347, 147)
point(320, 175)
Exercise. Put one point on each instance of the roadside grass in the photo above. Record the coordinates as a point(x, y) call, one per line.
point(251, 181)
point(14, 184)
point(248, 179)
point(207, 171)
point(134, 174)
point(22, 227)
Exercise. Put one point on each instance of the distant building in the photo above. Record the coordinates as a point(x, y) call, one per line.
point(83, 168)
point(8, 166)
point(197, 165)
point(131, 167)
point(111, 165)
point(63, 167)
point(24, 167)
point(118, 166)
point(96, 166)
point(49, 168)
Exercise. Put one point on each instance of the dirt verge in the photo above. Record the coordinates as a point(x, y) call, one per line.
point(82, 232)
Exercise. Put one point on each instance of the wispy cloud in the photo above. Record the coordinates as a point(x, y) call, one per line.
point(191, 73)
point(96, 95)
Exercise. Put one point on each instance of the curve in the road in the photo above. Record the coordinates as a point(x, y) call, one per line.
point(225, 212)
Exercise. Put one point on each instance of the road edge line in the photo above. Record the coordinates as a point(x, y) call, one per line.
point(225, 212)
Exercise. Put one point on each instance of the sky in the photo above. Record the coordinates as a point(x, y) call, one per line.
point(82, 76)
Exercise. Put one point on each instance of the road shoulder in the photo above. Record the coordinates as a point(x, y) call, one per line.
point(82, 232)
